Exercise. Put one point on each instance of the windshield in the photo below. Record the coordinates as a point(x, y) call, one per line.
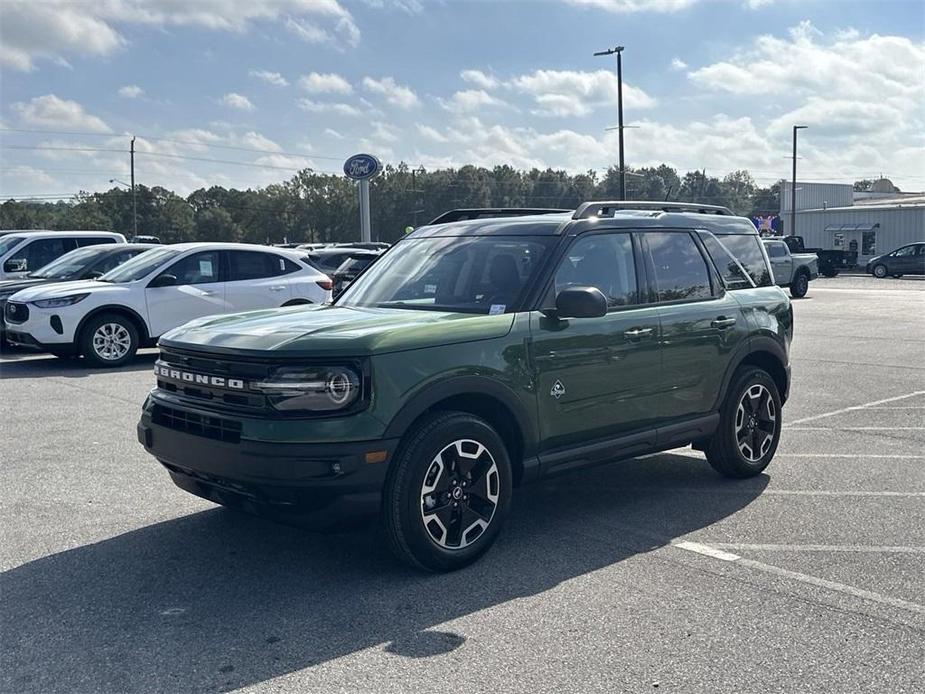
point(7, 242)
point(69, 264)
point(480, 274)
point(140, 266)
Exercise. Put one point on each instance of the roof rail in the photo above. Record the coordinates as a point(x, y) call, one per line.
point(607, 209)
point(487, 212)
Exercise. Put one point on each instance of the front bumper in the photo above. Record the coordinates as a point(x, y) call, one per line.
point(320, 484)
point(52, 328)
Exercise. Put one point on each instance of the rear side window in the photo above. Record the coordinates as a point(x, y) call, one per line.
point(746, 249)
point(42, 251)
point(678, 266)
point(776, 250)
point(250, 265)
point(93, 240)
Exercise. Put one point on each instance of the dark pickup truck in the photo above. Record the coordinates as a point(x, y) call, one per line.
point(831, 262)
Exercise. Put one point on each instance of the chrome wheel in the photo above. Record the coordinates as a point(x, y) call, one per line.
point(755, 423)
point(880, 271)
point(459, 495)
point(111, 341)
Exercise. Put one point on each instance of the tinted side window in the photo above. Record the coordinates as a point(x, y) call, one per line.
point(251, 265)
point(94, 240)
point(604, 261)
point(42, 251)
point(777, 250)
point(680, 270)
point(113, 260)
point(907, 251)
point(746, 248)
point(199, 268)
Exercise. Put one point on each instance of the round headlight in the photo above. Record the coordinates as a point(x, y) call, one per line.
point(311, 389)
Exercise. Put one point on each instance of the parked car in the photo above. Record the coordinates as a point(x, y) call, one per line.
point(794, 270)
point(370, 245)
point(24, 251)
point(476, 356)
point(831, 261)
point(108, 319)
point(348, 270)
point(85, 263)
point(145, 238)
point(329, 259)
point(907, 260)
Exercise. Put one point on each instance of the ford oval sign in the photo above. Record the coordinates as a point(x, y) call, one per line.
point(361, 167)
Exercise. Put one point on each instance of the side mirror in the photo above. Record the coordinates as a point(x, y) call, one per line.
point(163, 281)
point(16, 265)
point(581, 302)
point(95, 275)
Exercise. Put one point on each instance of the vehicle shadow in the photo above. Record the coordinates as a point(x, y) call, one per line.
point(217, 600)
point(31, 365)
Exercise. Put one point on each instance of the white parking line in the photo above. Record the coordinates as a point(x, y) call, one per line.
point(849, 455)
point(792, 428)
point(856, 407)
point(885, 549)
point(715, 553)
point(753, 492)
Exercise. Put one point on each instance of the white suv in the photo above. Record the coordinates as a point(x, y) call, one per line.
point(22, 252)
point(107, 319)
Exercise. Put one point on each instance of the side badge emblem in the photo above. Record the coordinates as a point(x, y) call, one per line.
point(558, 390)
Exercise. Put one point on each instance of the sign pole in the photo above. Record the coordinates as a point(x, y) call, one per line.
point(365, 231)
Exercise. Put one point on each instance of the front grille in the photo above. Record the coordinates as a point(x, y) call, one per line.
point(217, 428)
point(16, 313)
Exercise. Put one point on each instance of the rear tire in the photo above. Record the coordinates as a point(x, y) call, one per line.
point(896, 276)
point(447, 493)
point(880, 271)
point(749, 426)
point(108, 340)
point(830, 272)
point(799, 286)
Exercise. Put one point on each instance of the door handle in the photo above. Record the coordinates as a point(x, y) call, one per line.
point(723, 322)
point(277, 288)
point(208, 293)
point(637, 333)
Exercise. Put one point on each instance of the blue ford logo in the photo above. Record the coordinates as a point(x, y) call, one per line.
point(362, 166)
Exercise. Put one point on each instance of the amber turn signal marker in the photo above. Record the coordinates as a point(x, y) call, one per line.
point(376, 456)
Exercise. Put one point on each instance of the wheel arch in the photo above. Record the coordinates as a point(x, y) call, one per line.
point(486, 398)
point(140, 325)
point(767, 354)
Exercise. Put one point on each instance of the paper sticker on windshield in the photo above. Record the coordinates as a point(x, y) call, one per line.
point(496, 309)
point(430, 288)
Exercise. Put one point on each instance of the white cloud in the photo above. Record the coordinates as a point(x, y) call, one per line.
point(395, 94)
point(320, 83)
point(678, 64)
point(327, 107)
point(131, 91)
point(471, 100)
point(52, 29)
point(49, 111)
point(344, 30)
point(238, 101)
point(274, 78)
point(631, 6)
point(331, 132)
point(756, 4)
point(479, 79)
point(574, 93)
point(432, 134)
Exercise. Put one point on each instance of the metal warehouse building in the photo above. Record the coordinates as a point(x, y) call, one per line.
point(834, 216)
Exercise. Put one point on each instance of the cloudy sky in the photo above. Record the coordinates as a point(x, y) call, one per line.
point(244, 92)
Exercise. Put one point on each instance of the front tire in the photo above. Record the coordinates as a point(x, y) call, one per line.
point(448, 492)
point(880, 271)
point(799, 286)
point(109, 340)
point(749, 427)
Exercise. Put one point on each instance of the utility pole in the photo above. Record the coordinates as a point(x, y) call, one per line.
point(793, 183)
point(618, 50)
point(134, 205)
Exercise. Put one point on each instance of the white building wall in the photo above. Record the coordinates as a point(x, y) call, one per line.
point(811, 196)
point(898, 226)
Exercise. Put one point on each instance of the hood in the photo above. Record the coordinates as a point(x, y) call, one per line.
point(335, 330)
point(8, 287)
point(59, 289)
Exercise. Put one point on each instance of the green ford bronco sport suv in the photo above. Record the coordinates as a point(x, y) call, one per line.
point(481, 352)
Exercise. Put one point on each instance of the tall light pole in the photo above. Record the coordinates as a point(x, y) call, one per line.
point(619, 52)
point(793, 183)
point(134, 206)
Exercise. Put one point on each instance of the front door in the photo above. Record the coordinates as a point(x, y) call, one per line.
point(197, 291)
point(701, 323)
point(597, 378)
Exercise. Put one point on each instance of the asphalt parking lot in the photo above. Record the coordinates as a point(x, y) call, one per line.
point(645, 575)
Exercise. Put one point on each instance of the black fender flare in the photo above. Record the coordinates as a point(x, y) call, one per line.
point(433, 393)
point(755, 344)
point(140, 322)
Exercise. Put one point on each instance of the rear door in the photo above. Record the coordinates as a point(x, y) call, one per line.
point(597, 378)
point(256, 280)
point(781, 261)
point(701, 323)
point(198, 291)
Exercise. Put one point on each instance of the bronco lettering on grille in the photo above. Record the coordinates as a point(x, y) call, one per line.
point(199, 379)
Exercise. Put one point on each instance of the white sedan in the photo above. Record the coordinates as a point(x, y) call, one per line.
point(108, 319)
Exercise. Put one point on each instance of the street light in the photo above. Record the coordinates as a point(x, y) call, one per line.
point(121, 183)
point(618, 50)
point(793, 183)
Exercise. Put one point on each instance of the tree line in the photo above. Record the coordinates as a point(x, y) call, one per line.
point(315, 207)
